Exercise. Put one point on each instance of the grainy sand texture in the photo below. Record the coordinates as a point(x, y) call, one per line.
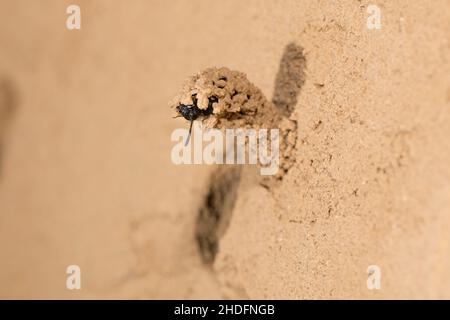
point(87, 179)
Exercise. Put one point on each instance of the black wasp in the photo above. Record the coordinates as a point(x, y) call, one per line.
point(191, 112)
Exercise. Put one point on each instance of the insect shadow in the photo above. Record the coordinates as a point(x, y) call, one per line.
point(219, 201)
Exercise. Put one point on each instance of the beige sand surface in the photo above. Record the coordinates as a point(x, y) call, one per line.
point(86, 176)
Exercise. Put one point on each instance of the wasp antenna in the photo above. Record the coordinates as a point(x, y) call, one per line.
point(189, 135)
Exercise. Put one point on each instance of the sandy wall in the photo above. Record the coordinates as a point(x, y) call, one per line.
point(87, 179)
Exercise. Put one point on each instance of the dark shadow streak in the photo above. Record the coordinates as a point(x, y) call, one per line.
point(8, 106)
point(215, 213)
point(290, 79)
